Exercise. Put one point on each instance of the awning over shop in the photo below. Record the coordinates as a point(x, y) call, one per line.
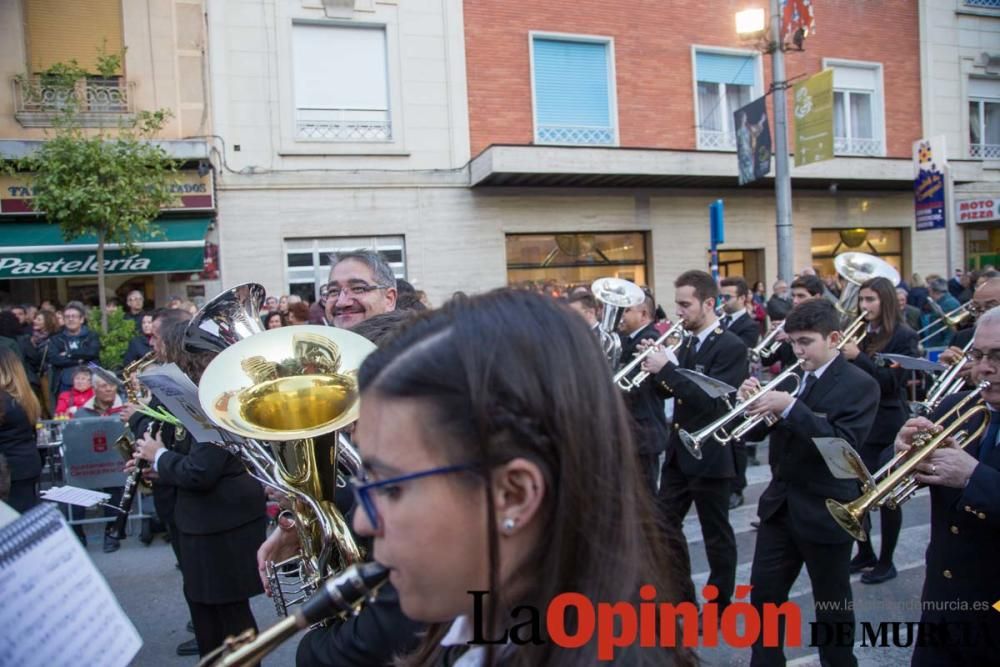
point(37, 250)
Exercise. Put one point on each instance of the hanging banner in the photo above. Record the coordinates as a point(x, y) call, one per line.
point(753, 141)
point(928, 183)
point(814, 119)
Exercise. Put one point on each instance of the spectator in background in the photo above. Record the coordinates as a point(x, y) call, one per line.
point(104, 402)
point(21, 313)
point(174, 302)
point(35, 350)
point(298, 313)
point(76, 344)
point(188, 307)
point(270, 306)
point(406, 296)
point(911, 314)
point(274, 320)
point(76, 396)
point(135, 309)
point(19, 411)
point(940, 303)
point(760, 293)
point(955, 284)
point(10, 331)
point(918, 292)
point(111, 305)
point(142, 343)
point(317, 314)
point(283, 305)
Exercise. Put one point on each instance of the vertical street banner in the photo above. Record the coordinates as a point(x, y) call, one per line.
point(929, 183)
point(813, 109)
point(753, 141)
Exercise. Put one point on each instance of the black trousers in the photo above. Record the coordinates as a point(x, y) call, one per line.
point(710, 497)
point(214, 622)
point(649, 466)
point(23, 494)
point(740, 458)
point(777, 561)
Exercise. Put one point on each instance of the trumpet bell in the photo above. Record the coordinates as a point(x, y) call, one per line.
point(848, 517)
point(857, 267)
point(286, 384)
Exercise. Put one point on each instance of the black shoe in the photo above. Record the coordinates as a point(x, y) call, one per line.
point(755, 524)
point(879, 575)
point(190, 626)
point(735, 500)
point(111, 544)
point(862, 562)
point(190, 647)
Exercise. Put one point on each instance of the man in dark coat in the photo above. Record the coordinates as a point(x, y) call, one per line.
point(73, 346)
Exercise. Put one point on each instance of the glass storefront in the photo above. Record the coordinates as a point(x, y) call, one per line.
point(886, 243)
point(558, 262)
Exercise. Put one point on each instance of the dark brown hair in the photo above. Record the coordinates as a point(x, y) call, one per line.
point(738, 282)
point(703, 284)
point(495, 391)
point(890, 315)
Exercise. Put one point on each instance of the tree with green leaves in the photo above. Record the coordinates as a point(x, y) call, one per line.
point(111, 185)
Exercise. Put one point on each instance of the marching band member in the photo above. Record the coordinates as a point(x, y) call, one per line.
point(986, 296)
point(645, 402)
point(886, 333)
point(494, 462)
point(835, 399)
point(804, 288)
point(735, 296)
point(961, 582)
point(685, 480)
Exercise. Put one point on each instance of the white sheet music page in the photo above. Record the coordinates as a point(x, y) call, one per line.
point(57, 609)
point(74, 495)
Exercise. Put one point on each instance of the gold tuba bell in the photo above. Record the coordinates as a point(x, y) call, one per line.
point(284, 395)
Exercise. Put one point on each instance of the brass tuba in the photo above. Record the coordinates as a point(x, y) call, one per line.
point(615, 295)
point(894, 483)
point(281, 398)
point(856, 268)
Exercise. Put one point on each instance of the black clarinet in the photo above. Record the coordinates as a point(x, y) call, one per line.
point(128, 494)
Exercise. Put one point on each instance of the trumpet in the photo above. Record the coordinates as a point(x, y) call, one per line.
point(769, 346)
point(894, 483)
point(946, 384)
point(622, 379)
point(718, 429)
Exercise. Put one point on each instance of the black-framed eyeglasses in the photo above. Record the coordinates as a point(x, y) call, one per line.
point(727, 297)
point(331, 291)
point(363, 488)
point(975, 356)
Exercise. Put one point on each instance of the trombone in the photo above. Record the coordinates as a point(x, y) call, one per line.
point(769, 346)
point(945, 321)
point(894, 483)
point(949, 382)
point(718, 429)
point(622, 379)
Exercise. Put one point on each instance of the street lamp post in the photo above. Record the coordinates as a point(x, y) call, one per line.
point(751, 23)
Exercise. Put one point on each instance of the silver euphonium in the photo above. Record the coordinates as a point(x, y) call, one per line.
point(616, 295)
point(281, 399)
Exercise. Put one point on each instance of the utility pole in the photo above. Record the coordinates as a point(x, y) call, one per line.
point(782, 172)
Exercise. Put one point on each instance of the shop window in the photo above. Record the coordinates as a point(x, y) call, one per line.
point(884, 243)
point(573, 87)
point(558, 262)
point(724, 82)
point(307, 261)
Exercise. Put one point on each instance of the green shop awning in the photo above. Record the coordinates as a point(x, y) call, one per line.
point(37, 250)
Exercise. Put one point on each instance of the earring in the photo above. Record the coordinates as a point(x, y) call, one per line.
point(509, 524)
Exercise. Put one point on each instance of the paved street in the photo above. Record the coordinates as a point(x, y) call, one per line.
point(149, 588)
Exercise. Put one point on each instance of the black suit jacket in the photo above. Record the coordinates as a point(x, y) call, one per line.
point(893, 409)
point(214, 491)
point(965, 531)
point(784, 355)
point(722, 356)
point(746, 329)
point(645, 403)
point(963, 336)
point(840, 404)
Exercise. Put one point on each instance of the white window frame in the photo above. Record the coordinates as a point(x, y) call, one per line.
point(609, 43)
point(288, 142)
point(728, 140)
point(325, 245)
point(878, 107)
point(981, 151)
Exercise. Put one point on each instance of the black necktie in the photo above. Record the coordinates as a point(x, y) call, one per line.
point(726, 321)
point(989, 441)
point(807, 383)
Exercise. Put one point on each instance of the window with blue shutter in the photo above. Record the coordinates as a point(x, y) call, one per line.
point(572, 92)
point(725, 82)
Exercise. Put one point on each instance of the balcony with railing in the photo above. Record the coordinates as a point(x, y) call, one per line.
point(98, 102)
point(985, 151)
point(716, 140)
point(858, 146)
point(347, 125)
point(575, 135)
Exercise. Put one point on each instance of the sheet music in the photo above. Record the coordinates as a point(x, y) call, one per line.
point(57, 608)
point(74, 495)
point(180, 396)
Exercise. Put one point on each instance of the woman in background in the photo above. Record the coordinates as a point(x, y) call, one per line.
point(19, 411)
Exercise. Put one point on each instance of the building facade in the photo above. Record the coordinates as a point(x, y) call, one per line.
point(162, 65)
point(961, 102)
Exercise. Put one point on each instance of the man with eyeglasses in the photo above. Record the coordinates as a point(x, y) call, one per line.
point(986, 296)
point(362, 285)
point(962, 582)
